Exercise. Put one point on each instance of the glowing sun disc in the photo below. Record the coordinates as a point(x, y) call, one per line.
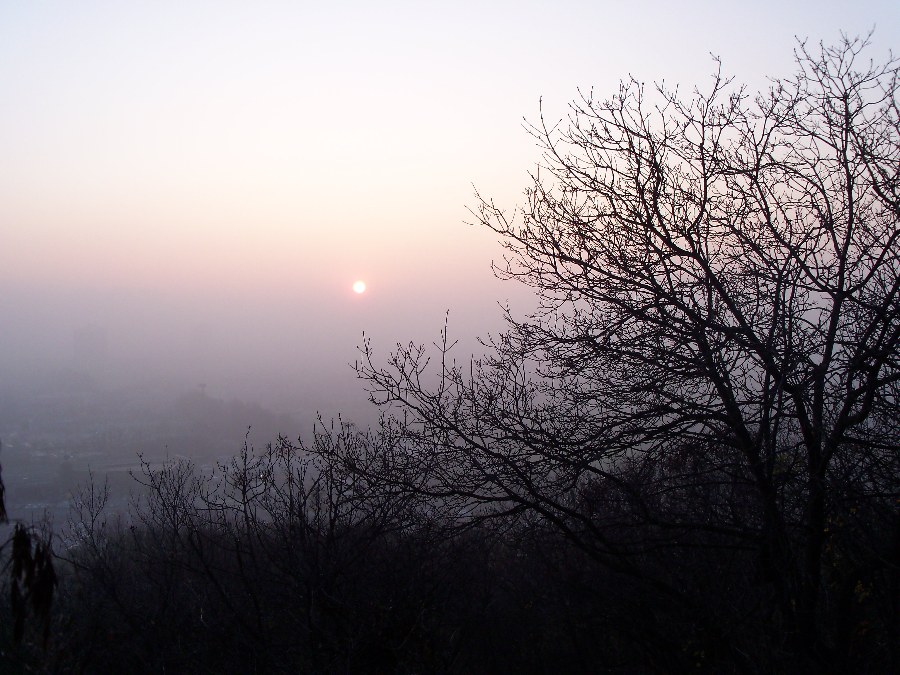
point(359, 287)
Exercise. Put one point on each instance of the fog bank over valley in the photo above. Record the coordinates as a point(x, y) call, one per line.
point(91, 378)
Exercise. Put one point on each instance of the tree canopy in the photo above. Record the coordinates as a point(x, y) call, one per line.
point(714, 360)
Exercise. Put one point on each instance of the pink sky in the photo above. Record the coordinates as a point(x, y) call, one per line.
point(205, 181)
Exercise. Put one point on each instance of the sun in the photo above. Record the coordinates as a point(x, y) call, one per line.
point(359, 287)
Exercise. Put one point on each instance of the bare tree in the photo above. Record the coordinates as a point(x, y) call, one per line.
point(278, 560)
point(715, 354)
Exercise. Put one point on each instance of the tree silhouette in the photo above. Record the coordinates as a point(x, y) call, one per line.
point(32, 577)
point(714, 361)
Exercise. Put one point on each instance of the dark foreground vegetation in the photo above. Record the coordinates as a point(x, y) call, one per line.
point(296, 559)
point(685, 461)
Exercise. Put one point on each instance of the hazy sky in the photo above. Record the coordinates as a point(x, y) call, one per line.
point(200, 183)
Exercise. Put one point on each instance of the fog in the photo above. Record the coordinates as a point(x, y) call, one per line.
point(92, 376)
point(188, 193)
point(292, 354)
point(91, 381)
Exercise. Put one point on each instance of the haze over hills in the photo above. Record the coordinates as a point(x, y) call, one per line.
point(58, 427)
